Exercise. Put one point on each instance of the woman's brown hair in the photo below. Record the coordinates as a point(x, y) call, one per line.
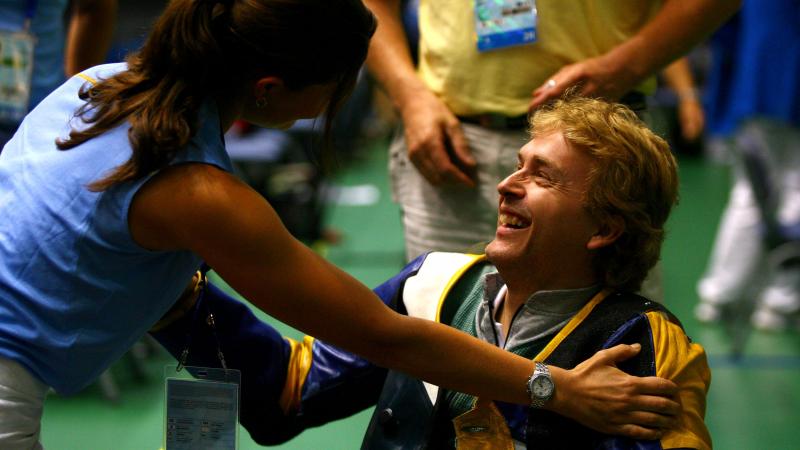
point(198, 48)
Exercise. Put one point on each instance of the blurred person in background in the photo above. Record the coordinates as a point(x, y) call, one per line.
point(61, 47)
point(675, 110)
point(689, 108)
point(754, 89)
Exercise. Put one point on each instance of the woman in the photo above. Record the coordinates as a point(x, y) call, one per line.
point(117, 186)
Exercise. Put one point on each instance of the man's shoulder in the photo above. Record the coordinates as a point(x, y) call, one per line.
point(620, 318)
point(436, 277)
point(629, 303)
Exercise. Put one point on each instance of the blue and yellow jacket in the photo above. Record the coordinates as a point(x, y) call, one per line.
point(288, 386)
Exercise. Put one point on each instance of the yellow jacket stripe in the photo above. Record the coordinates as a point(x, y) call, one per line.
point(299, 364)
point(684, 362)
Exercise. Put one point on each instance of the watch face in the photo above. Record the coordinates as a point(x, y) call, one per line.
point(542, 387)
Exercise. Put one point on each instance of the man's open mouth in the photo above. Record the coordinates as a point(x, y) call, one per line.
point(510, 221)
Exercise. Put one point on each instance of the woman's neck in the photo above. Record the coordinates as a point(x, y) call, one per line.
point(229, 107)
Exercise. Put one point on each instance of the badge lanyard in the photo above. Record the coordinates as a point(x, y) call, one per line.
point(505, 23)
point(201, 403)
point(16, 68)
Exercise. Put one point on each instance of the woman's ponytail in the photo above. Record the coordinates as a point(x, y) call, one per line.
point(160, 94)
point(200, 49)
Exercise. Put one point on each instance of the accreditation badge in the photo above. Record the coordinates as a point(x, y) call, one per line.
point(16, 68)
point(201, 409)
point(504, 23)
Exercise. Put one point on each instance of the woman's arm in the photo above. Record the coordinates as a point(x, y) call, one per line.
point(210, 212)
point(237, 233)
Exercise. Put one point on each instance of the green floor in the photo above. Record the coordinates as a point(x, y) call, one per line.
point(753, 402)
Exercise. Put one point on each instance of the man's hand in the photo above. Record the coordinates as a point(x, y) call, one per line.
point(673, 31)
point(436, 143)
point(596, 77)
point(602, 397)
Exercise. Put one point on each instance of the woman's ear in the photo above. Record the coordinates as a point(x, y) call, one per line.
point(608, 232)
point(266, 84)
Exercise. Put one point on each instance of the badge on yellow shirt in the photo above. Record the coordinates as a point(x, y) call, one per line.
point(504, 23)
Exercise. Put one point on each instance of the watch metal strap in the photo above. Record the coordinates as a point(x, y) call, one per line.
point(539, 369)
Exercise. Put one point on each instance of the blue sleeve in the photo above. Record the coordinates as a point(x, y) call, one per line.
point(337, 384)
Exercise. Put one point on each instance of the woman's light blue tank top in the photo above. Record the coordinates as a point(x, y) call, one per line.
point(75, 290)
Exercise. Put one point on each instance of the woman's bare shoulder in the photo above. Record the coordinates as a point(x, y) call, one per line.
point(182, 202)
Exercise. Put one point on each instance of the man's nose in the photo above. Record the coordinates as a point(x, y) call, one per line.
point(510, 186)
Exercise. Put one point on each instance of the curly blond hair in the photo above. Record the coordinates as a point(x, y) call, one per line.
point(634, 178)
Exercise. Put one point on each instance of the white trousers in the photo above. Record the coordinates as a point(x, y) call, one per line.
point(21, 403)
point(737, 258)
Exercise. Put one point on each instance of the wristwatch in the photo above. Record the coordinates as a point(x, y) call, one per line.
point(540, 386)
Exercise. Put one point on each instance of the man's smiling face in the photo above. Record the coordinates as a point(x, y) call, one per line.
point(543, 225)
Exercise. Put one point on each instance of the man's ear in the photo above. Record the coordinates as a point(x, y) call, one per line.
point(607, 233)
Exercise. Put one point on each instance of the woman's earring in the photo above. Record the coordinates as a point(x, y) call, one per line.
point(261, 102)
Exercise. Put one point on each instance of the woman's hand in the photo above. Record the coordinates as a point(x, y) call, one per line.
point(600, 396)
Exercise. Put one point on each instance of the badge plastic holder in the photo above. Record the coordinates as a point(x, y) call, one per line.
point(16, 70)
point(201, 408)
point(505, 23)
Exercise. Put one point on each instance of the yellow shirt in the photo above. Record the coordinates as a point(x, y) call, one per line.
point(501, 81)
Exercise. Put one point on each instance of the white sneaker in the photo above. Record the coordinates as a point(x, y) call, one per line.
point(766, 319)
point(782, 295)
point(708, 312)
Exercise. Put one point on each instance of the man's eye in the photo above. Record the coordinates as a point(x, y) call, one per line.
point(541, 177)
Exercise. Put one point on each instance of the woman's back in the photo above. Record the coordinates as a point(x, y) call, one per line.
point(75, 289)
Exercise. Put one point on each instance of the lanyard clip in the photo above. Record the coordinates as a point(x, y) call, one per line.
point(182, 360)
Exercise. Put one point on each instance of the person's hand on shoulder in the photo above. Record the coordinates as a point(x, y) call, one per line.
point(600, 396)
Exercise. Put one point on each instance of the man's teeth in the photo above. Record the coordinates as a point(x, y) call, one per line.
point(512, 221)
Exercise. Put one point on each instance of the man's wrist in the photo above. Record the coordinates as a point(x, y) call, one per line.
point(688, 95)
point(627, 63)
point(560, 379)
point(406, 91)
